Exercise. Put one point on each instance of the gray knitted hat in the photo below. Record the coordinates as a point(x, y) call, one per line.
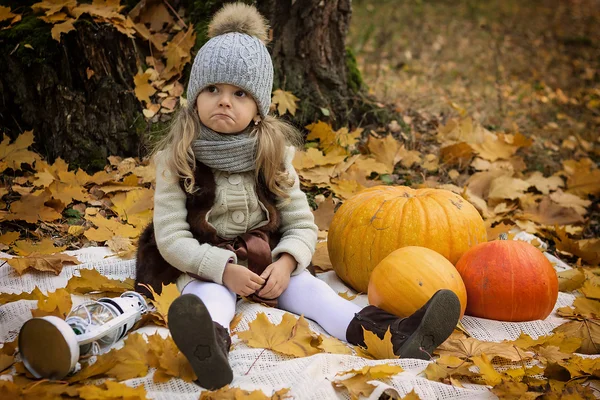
point(236, 55)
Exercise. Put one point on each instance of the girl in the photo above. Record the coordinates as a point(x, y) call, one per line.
point(230, 218)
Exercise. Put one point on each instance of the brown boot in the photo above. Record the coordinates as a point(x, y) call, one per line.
point(415, 336)
point(204, 342)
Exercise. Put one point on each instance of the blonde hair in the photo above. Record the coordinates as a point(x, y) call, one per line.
point(272, 135)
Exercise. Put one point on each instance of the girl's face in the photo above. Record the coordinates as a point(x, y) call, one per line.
point(225, 108)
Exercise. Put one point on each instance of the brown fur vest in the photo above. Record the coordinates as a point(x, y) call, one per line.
point(151, 267)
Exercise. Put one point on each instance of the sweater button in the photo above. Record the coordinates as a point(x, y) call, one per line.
point(238, 217)
point(234, 179)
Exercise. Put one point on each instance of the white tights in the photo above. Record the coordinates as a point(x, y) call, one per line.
point(305, 295)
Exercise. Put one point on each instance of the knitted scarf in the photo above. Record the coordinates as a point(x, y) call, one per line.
point(231, 153)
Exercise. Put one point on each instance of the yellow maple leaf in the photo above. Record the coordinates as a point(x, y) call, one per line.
point(379, 348)
point(370, 164)
point(291, 336)
point(324, 133)
point(584, 182)
point(41, 262)
point(122, 247)
point(570, 280)
point(471, 347)
point(588, 251)
point(59, 29)
point(50, 7)
point(543, 184)
point(143, 89)
point(385, 150)
point(90, 280)
point(35, 294)
point(559, 339)
point(57, 303)
point(13, 155)
point(345, 188)
point(130, 361)
point(447, 366)
point(44, 246)
point(54, 18)
point(134, 207)
point(5, 13)
point(285, 101)
point(313, 157)
point(493, 147)
point(233, 393)
point(164, 355)
point(107, 228)
point(7, 354)
point(163, 301)
point(456, 154)
point(112, 390)
point(321, 257)
point(8, 238)
point(486, 370)
point(409, 157)
point(331, 345)
point(358, 384)
point(178, 52)
point(32, 208)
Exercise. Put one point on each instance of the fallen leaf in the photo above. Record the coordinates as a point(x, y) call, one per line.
point(41, 262)
point(15, 154)
point(291, 336)
point(90, 280)
point(285, 101)
point(380, 349)
point(59, 29)
point(163, 301)
point(57, 303)
point(543, 184)
point(112, 390)
point(143, 89)
point(321, 257)
point(471, 347)
point(331, 345)
point(164, 355)
point(358, 384)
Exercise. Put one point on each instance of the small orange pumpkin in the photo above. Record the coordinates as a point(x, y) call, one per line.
point(508, 280)
point(404, 280)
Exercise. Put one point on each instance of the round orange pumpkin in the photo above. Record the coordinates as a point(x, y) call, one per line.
point(378, 220)
point(508, 280)
point(404, 280)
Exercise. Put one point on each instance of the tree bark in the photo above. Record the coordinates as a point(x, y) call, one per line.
point(47, 89)
point(310, 56)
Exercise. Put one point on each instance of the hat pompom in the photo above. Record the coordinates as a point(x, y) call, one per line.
point(239, 17)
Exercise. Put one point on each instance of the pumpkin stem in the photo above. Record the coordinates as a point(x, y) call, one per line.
point(503, 236)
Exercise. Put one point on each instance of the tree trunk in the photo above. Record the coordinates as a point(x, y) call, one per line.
point(310, 56)
point(47, 89)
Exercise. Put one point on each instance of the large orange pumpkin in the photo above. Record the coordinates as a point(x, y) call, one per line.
point(508, 280)
point(381, 219)
point(404, 280)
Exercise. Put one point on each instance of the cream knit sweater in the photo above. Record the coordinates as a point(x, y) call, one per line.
point(236, 210)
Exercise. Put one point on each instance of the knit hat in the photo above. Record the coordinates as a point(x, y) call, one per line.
point(236, 54)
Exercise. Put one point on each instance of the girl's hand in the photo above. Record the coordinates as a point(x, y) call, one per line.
point(241, 280)
point(278, 276)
